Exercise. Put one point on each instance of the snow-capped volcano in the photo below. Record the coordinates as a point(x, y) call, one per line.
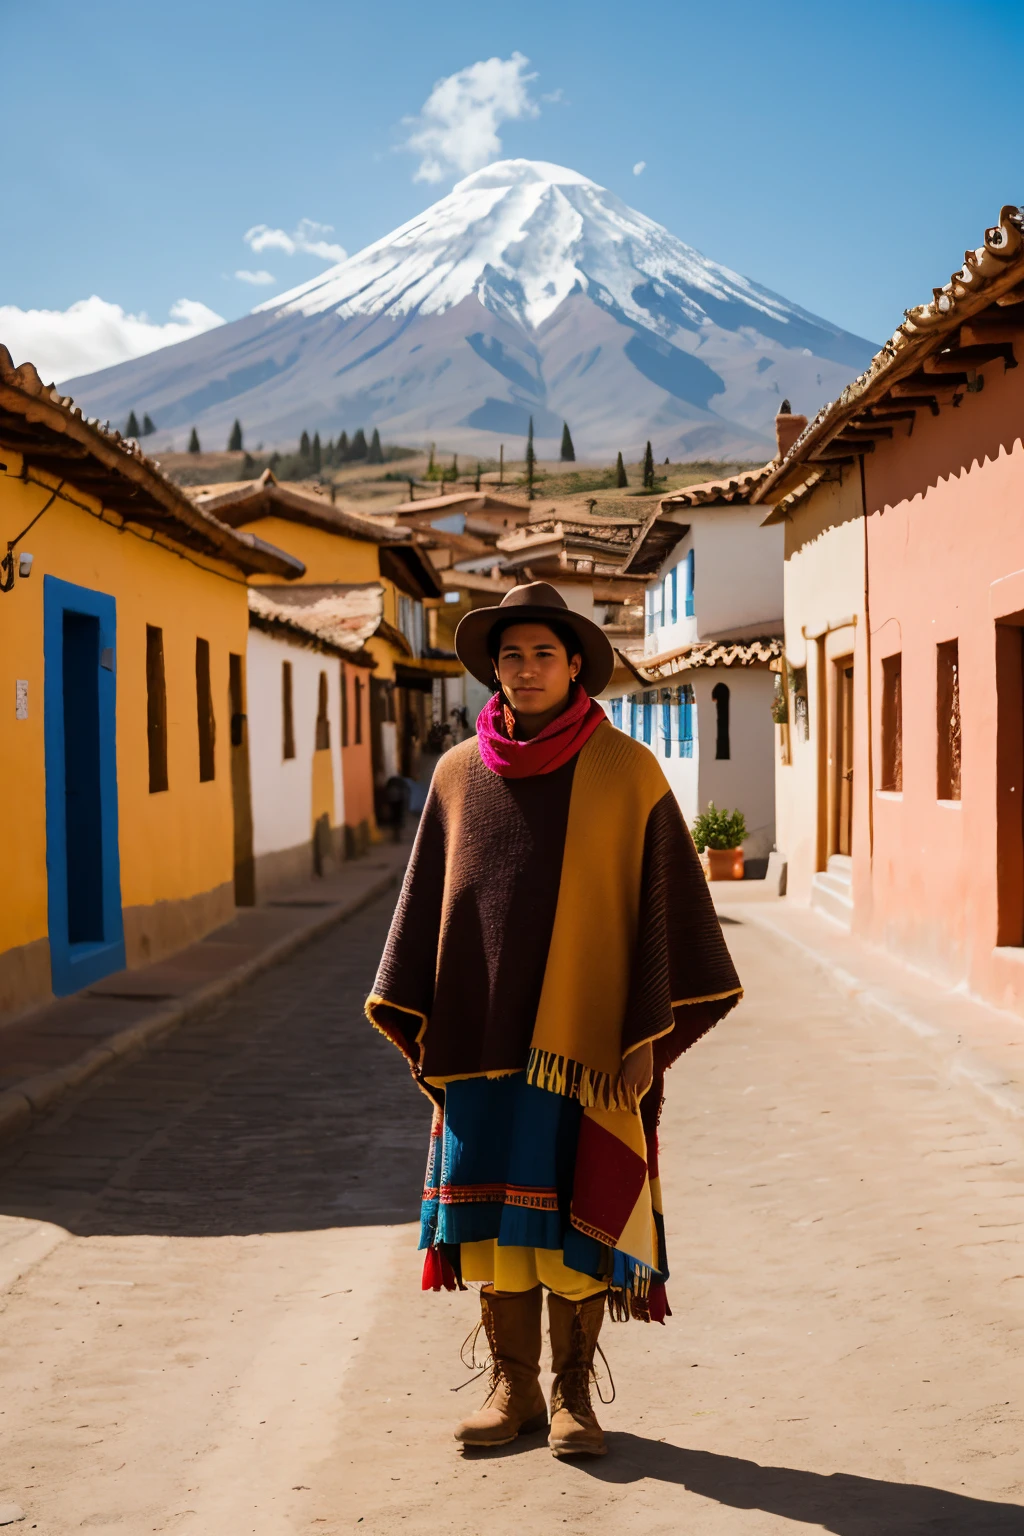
point(528, 290)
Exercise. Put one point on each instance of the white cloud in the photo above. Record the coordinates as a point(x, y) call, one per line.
point(93, 334)
point(307, 240)
point(457, 128)
point(640, 167)
point(258, 279)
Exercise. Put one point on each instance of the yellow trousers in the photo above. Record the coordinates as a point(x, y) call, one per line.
point(520, 1269)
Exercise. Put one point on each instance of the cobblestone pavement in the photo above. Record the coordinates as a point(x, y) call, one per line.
point(231, 1338)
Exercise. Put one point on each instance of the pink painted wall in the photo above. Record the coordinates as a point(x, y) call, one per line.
point(945, 526)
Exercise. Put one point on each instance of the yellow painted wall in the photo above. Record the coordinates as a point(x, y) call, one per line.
point(328, 557)
point(173, 845)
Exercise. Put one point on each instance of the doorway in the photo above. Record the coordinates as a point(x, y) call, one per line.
point(83, 871)
point(843, 756)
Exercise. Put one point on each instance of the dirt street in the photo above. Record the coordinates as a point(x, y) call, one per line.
point(231, 1337)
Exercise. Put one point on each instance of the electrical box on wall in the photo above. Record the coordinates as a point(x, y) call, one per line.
point(21, 699)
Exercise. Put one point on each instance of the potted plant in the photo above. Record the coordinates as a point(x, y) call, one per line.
point(718, 836)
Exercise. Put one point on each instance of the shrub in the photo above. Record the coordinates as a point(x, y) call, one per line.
point(718, 829)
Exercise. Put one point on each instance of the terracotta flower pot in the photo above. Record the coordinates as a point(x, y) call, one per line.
point(725, 863)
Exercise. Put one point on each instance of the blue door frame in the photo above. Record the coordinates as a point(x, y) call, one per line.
point(83, 867)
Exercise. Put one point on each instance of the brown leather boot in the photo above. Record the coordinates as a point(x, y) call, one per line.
point(574, 1327)
point(515, 1404)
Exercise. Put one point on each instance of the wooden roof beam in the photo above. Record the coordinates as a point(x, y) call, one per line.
point(929, 385)
point(884, 414)
point(869, 428)
point(995, 325)
point(918, 401)
point(958, 358)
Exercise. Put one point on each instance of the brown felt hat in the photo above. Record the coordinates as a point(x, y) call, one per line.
point(535, 603)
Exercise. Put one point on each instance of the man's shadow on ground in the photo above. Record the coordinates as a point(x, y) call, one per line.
point(841, 1503)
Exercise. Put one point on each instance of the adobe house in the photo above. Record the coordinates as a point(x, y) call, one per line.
point(701, 688)
point(930, 438)
point(350, 557)
point(124, 622)
point(309, 731)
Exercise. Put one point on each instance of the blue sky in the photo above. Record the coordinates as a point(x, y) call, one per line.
point(842, 156)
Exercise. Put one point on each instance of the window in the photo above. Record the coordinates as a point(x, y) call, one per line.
point(287, 711)
point(675, 593)
point(892, 722)
point(689, 585)
point(648, 717)
point(617, 713)
point(323, 723)
point(359, 710)
point(720, 694)
point(948, 720)
point(156, 709)
point(686, 721)
point(204, 708)
point(666, 721)
point(344, 705)
point(648, 612)
point(632, 715)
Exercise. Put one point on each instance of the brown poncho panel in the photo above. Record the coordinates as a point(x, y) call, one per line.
point(552, 924)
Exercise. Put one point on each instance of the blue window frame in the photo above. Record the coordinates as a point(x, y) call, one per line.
point(617, 713)
point(632, 714)
point(648, 718)
point(83, 871)
point(689, 584)
point(686, 721)
point(666, 722)
point(675, 593)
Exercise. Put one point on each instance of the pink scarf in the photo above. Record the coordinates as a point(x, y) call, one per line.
point(556, 744)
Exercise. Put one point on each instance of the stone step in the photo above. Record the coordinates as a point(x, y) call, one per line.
point(831, 895)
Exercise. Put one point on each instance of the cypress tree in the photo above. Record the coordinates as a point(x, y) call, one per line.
point(316, 454)
point(375, 454)
point(304, 445)
point(343, 448)
point(193, 442)
point(148, 425)
point(620, 473)
point(531, 462)
point(476, 482)
point(235, 440)
point(648, 469)
point(431, 467)
point(568, 451)
point(455, 467)
point(359, 444)
point(132, 429)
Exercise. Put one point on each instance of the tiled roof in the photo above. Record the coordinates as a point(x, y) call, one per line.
point(342, 616)
point(50, 433)
point(246, 501)
point(925, 361)
point(660, 535)
point(736, 488)
point(706, 653)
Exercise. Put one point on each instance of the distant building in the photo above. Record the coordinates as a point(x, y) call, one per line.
point(699, 690)
point(125, 763)
point(372, 586)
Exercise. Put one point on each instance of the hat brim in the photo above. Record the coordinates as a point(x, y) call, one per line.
point(474, 631)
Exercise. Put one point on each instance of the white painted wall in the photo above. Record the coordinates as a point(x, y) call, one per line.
point(738, 578)
point(282, 788)
point(744, 781)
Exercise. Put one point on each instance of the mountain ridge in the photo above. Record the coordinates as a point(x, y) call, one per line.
point(526, 290)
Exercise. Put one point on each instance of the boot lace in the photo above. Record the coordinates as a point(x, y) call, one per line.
point(490, 1366)
point(574, 1382)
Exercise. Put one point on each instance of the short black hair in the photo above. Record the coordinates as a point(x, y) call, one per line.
point(563, 633)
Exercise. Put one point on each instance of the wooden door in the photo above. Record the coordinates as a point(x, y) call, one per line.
point(844, 755)
point(241, 797)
